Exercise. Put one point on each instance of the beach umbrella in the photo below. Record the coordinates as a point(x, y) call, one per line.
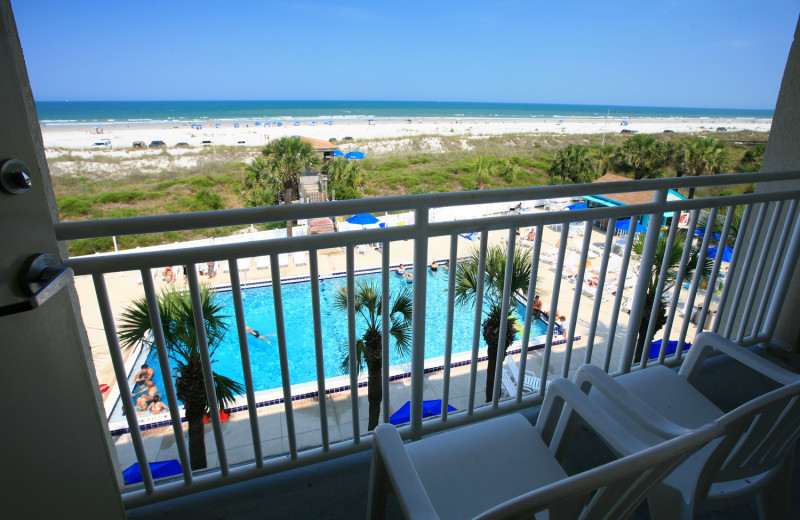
point(355, 155)
point(701, 232)
point(577, 205)
point(363, 219)
point(337, 153)
point(624, 123)
point(166, 468)
point(672, 347)
point(429, 409)
point(625, 225)
point(727, 254)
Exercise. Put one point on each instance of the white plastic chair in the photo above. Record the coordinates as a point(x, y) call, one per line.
point(299, 258)
point(505, 467)
point(243, 264)
point(752, 460)
point(530, 382)
point(262, 262)
point(283, 260)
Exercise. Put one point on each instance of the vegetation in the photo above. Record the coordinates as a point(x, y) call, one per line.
point(180, 335)
point(642, 155)
point(369, 349)
point(467, 277)
point(573, 164)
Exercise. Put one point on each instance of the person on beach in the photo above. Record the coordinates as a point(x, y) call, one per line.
point(168, 274)
point(531, 235)
point(149, 392)
point(401, 269)
point(537, 306)
point(155, 407)
point(257, 334)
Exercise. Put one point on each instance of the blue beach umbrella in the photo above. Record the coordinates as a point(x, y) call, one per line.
point(162, 469)
point(429, 409)
point(625, 225)
point(363, 219)
point(354, 155)
point(701, 232)
point(577, 205)
point(337, 153)
point(727, 254)
point(672, 347)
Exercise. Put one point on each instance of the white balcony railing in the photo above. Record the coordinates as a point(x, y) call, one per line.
point(747, 307)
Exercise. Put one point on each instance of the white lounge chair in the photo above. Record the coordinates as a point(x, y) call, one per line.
point(362, 249)
point(754, 458)
point(226, 267)
point(515, 473)
point(262, 262)
point(283, 260)
point(530, 383)
point(299, 258)
point(243, 264)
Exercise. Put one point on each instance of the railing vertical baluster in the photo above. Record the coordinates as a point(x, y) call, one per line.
point(166, 374)
point(319, 354)
point(244, 351)
point(504, 310)
point(784, 281)
point(351, 338)
point(762, 262)
point(551, 322)
point(576, 300)
point(385, 300)
point(419, 296)
point(662, 276)
point(448, 336)
point(476, 323)
point(627, 357)
point(748, 259)
point(623, 274)
point(118, 363)
point(673, 304)
point(526, 329)
point(205, 361)
point(777, 259)
point(283, 355)
point(748, 211)
point(600, 289)
point(712, 280)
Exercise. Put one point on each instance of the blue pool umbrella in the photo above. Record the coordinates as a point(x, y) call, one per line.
point(429, 409)
point(473, 237)
point(337, 153)
point(625, 225)
point(727, 254)
point(577, 205)
point(363, 219)
point(672, 346)
point(701, 232)
point(162, 469)
point(355, 155)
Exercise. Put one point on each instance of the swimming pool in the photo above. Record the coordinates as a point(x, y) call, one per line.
point(259, 311)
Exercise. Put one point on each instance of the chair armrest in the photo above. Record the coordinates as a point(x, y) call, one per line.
point(404, 478)
point(708, 340)
point(562, 399)
point(590, 376)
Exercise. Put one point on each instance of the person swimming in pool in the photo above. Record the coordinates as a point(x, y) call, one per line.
point(258, 334)
point(149, 392)
point(143, 376)
point(155, 407)
point(434, 265)
point(409, 278)
point(401, 269)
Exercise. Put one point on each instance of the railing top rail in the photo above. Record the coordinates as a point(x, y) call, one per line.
point(237, 217)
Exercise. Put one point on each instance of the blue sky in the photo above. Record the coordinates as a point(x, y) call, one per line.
point(701, 53)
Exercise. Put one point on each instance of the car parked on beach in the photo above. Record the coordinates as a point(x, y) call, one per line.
point(103, 143)
point(627, 131)
point(182, 145)
point(139, 144)
point(206, 143)
point(158, 144)
point(721, 129)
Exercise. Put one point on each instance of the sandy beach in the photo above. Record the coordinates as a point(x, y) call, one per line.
point(123, 135)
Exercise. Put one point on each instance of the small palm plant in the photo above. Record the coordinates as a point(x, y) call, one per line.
point(369, 307)
point(180, 335)
point(466, 292)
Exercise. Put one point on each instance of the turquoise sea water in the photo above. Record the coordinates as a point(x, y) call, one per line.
point(52, 113)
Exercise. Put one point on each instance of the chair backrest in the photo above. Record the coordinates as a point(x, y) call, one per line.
point(758, 436)
point(613, 490)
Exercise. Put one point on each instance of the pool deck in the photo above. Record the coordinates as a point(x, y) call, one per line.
point(160, 444)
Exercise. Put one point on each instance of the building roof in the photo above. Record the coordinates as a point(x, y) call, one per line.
point(633, 197)
point(319, 145)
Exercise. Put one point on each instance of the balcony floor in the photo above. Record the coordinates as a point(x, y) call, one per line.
point(337, 489)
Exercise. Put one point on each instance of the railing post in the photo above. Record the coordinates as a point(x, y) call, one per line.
point(418, 318)
point(643, 283)
point(784, 281)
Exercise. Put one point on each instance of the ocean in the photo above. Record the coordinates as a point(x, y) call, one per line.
point(57, 113)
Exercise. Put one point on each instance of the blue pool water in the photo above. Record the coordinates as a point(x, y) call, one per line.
point(259, 310)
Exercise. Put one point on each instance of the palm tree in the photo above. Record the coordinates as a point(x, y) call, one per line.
point(283, 161)
point(705, 157)
point(369, 349)
point(345, 172)
point(605, 158)
point(718, 224)
point(672, 277)
point(180, 335)
point(574, 164)
point(466, 291)
point(642, 155)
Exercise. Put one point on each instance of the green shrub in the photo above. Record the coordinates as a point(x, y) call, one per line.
point(204, 200)
point(73, 206)
point(343, 192)
point(419, 160)
point(392, 164)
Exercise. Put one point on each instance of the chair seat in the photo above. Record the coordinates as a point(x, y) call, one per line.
point(668, 393)
point(503, 458)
